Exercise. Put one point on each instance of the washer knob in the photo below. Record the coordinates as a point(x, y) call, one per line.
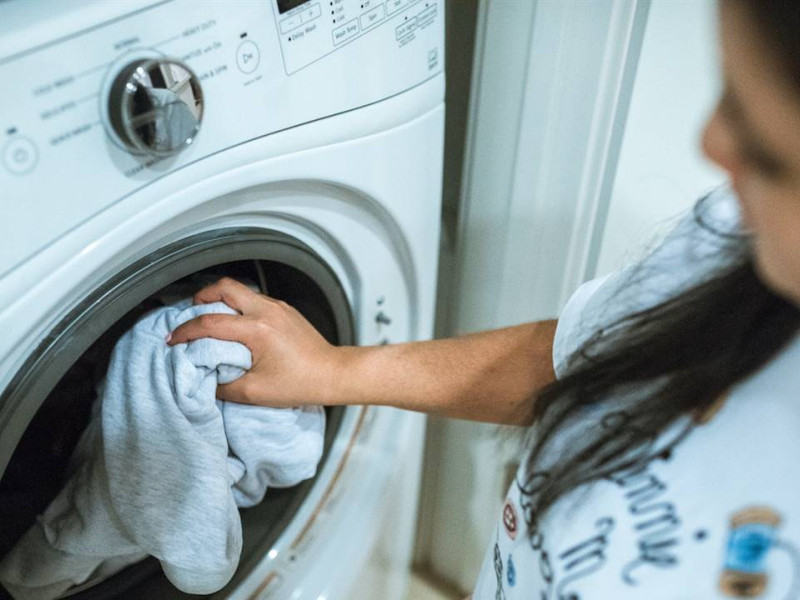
point(156, 106)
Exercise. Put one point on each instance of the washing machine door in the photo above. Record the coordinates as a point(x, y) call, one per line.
point(47, 404)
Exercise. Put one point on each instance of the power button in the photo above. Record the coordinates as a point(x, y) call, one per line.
point(20, 156)
point(247, 57)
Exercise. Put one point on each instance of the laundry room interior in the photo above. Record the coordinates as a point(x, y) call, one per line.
point(227, 227)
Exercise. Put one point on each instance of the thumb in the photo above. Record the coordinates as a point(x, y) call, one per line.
point(236, 391)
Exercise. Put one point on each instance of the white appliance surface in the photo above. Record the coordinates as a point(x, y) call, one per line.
point(323, 121)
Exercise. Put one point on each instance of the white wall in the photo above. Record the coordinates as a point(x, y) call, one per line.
point(661, 170)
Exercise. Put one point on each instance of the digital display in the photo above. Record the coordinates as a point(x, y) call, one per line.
point(286, 5)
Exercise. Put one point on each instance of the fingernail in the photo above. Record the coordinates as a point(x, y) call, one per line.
point(168, 337)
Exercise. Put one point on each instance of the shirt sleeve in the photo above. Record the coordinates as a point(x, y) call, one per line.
point(696, 248)
point(572, 330)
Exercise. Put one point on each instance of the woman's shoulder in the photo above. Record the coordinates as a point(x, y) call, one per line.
point(701, 243)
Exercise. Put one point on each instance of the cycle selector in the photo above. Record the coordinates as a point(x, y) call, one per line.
point(156, 107)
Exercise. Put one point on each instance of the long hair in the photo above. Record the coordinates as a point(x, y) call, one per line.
point(636, 387)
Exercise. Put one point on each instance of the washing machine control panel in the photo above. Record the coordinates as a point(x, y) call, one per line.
point(312, 29)
point(103, 99)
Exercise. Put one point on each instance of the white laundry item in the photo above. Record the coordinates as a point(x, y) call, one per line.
point(162, 467)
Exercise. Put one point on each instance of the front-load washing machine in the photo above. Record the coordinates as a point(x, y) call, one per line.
point(149, 147)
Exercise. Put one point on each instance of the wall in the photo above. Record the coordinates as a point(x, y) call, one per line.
point(661, 170)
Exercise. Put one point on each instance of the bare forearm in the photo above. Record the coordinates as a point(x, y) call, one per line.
point(490, 376)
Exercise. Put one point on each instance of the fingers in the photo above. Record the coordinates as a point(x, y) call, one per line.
point(234, 392)
point(233, 328)
point(233, 293)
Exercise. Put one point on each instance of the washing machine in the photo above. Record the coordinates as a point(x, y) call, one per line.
point(150, 147)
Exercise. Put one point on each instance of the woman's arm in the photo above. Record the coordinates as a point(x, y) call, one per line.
point(490, 376)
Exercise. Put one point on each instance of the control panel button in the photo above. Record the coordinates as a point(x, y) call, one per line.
point(372, 17)
point(247, 56)
point(290, 23)
point(426, 16)
point(345, 32)
point(405, 28)
point(392, 6)
point(311, 13)
point(20, 156)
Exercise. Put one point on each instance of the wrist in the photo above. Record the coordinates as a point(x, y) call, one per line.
point(338, 385)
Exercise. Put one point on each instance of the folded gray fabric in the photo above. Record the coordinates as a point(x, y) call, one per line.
point(162, 467)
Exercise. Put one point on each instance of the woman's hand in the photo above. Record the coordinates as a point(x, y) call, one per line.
point(490, 376)
point(293, 364)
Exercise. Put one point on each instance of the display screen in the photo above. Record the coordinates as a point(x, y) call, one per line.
point(284, 5)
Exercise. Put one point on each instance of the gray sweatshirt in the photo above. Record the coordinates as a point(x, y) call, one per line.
point(162, 467)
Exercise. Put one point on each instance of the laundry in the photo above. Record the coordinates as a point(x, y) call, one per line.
point(162, 467)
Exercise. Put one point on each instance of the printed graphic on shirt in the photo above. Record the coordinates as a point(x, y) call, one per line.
point(655, 517)
point(649, 532)
point(580, 560)
point(752, 535)
point(656, 522)
point(529, 488)
point(575, 563)
point(498, 571)
point(510, 519)
point(511, 572)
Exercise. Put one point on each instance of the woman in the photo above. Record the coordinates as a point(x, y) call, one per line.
point(665, 403)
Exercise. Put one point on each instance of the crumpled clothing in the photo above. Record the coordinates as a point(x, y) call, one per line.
point(163, 465)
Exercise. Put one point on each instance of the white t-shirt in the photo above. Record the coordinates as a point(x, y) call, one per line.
point(718, 517)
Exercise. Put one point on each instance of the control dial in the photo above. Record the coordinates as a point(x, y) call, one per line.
point(156, 106)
